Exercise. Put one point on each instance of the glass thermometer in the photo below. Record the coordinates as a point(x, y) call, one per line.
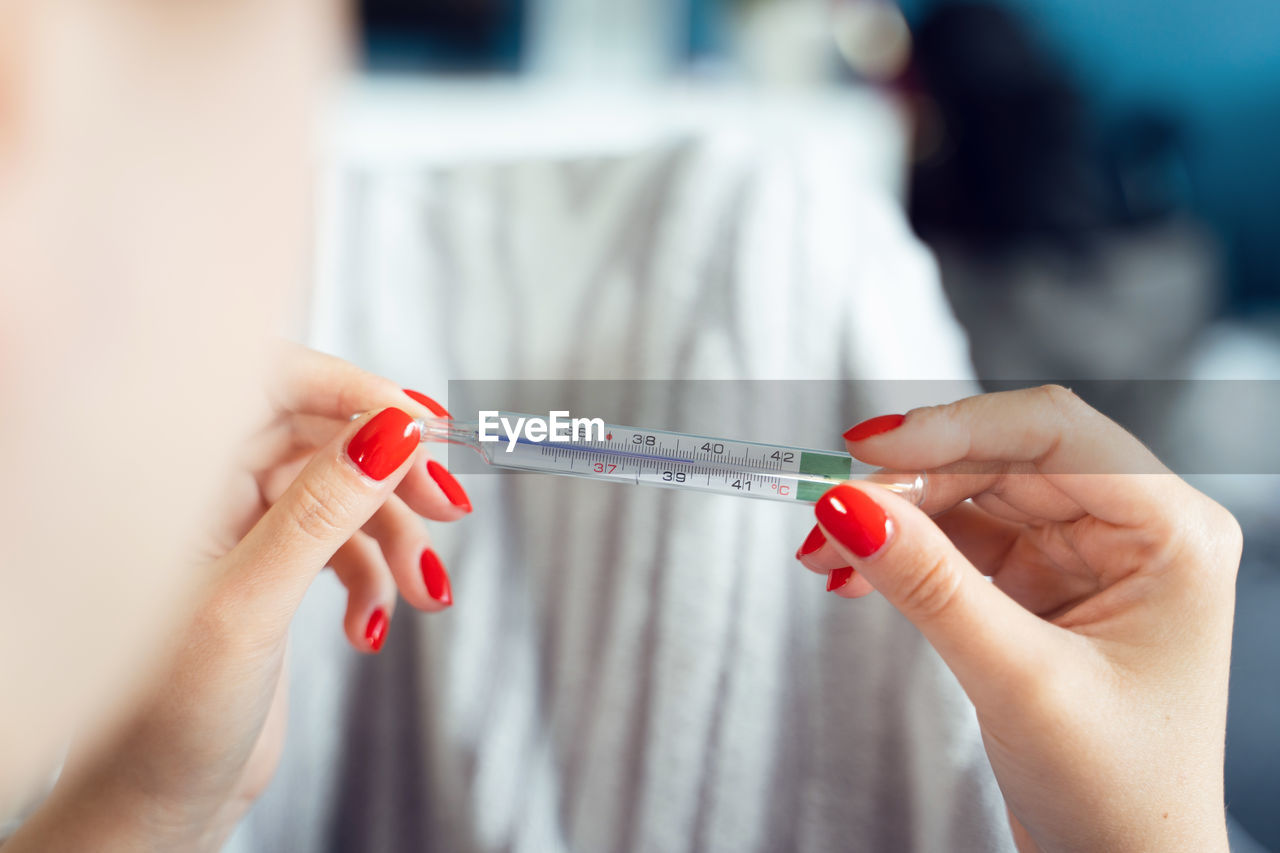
point(675, 460)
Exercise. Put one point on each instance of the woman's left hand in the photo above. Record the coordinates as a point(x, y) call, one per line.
point(1081, 593)
point(314, 489)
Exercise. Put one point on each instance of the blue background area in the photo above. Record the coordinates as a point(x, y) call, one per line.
point(1215, 66)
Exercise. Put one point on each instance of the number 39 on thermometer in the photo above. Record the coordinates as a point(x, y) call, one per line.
point(678, 460)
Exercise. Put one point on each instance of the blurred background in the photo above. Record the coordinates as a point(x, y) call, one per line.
point(1156, 108)
point(1098, 182)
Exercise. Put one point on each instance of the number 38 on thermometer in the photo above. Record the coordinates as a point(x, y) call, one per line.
point(678, 460)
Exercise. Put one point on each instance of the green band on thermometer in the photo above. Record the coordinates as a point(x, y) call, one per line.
point(676, 460)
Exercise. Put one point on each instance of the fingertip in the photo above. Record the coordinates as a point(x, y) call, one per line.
point(823, 560)
point(811, 544)
point(816, 555)
point(375, 631)
point(384, 443)
point(452, 489)
point(423, 494)
point(847, 583)
point(872, 427)
point(436, 579)
point(850, 516)
point(837, 578)
point(432, 406)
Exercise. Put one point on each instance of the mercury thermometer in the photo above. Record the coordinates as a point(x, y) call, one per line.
point(677, 460)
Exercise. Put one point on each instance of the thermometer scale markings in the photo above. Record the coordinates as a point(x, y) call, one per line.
point(633, 470)
point(638, 457)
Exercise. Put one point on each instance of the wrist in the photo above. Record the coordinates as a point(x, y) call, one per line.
point(1167, 831)
point(102, 815)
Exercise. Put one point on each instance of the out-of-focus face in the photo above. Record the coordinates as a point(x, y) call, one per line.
point(154, 166)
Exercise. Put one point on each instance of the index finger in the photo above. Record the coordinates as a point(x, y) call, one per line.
point(1082, 453)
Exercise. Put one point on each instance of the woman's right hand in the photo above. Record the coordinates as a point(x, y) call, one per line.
point(1081, 593)
point(313, 489)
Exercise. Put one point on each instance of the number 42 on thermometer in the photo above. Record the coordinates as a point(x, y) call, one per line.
point(589, 447)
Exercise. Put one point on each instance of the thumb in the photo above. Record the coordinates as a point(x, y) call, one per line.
point(988, 640)
point(337, 492)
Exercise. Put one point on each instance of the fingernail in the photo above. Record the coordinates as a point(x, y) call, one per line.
point(837, 578)
point(435, 577)
point(452, 488)
point(855, 520)
point(812, 542)
point(874, 426)
point(376, 631)
point(384, 443)
point(436, 409)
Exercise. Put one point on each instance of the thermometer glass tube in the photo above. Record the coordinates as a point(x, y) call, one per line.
point(675, 460)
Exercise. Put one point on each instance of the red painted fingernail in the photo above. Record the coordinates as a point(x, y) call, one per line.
point(874, 426)
point(452, 488)
point(837, 578)
point(435, 577)
point(384, 443)
point(812, 542)
point(436, 409)
point(855, 520)
point(376, 631)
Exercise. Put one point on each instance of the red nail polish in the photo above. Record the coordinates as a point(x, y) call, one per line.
point(874, 426)
point(376, 631)
point(436, 409)
point(452, 488)
point(435, 577)
point(384, 443)
point(812, 542)
point(837, 578)
point(855, 520)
